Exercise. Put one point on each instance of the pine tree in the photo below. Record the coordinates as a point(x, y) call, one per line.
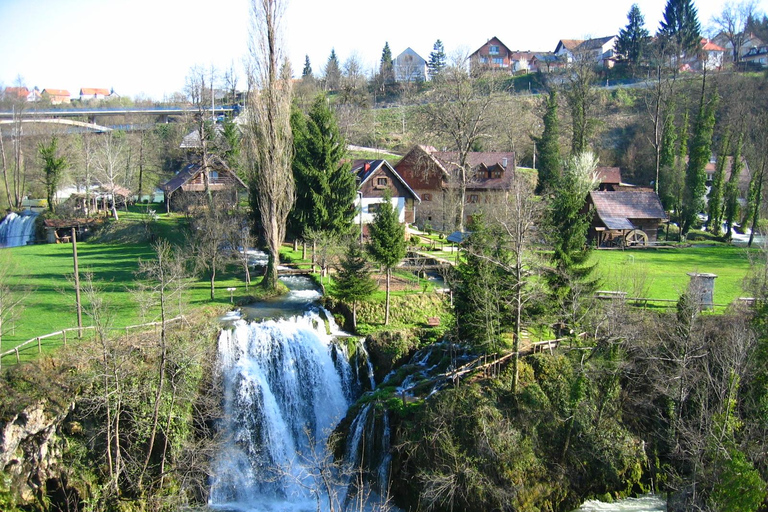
point(386, 68)
point(332, 72)
point(307, 71)
point(387, 241)
point(695, 175)
point(633, 39)
point(732, 188)
point(717, 190)
point(680, 30)
point(568, 226)
point(548, 146)
point(484, 286)
point(325, 187)
point(437, 60)
point(353, 281)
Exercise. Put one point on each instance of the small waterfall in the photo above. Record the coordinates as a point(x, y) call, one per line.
point(284, 392)
point(368, 363)
point(17, 229)
point(368, 447)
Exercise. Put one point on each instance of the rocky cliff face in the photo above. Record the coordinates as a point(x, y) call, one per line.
point(30, 451)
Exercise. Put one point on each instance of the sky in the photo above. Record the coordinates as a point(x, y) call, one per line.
point(146, 48)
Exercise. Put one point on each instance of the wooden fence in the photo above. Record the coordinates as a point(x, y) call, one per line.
point(63, 333)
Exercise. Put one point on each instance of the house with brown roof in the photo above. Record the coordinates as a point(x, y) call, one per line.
point(599, 50)
point(492, 55)
point(376, 178)
point(56, 96)
point(758, 57)
point(187, 187)
point(433, 175)
point(628, 216)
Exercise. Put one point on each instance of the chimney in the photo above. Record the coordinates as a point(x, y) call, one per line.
point(504, 163)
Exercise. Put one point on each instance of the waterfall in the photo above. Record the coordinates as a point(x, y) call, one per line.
point(17, 229)
point(285, 388)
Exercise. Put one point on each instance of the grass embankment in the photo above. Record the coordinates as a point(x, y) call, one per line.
point(662, 273)
point(45, 273)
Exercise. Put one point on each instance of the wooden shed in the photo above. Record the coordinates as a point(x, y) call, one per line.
point(625, 217)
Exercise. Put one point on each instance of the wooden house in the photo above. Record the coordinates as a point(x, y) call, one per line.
point(625, 217)
point(434, 176)
point(188, 186)
point(492, 55)
point(374, 179)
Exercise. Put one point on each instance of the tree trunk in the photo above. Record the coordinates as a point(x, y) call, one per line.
point(386, 311)
point(213, 280)
point(354, 316)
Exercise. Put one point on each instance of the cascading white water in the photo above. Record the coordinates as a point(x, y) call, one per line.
point(16, 230)
point(284, 392)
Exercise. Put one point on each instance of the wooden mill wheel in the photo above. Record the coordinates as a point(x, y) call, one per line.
point(636, 237)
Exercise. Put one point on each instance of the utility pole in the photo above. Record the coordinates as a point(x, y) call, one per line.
point(77, 285)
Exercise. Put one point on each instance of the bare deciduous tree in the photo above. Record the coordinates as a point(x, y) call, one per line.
point(268, 138)
point(110, 164)
point(732, 24)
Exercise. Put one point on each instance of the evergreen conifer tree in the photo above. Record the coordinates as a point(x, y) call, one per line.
point(695, 175)
point(53, 167)
point(325, 187)
point(633, 39)
point(332, 72)
point(437, 60)
point(667, 169)
point(353, 281)
point(386, 67)
point(548, 146)
point(568, 227)
point(387, 241)
point(731, 198)
point(680, 30)
point(717, 190)
point(307, 71)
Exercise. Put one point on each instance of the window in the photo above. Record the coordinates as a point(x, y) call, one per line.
point(498, 60)
point(373, 207)
point(213, 175)
point(472, 198)
point(497, 174)
point(426, 197)
point(382, 182)
point(493, 49)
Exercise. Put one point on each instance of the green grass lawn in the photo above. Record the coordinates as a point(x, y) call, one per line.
point(662, 273)
point(45, 272)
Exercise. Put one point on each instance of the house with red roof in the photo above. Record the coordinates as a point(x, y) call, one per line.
point(56, 96)
point(22, 93)
point(90, 93)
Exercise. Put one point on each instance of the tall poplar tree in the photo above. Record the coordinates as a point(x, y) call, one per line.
point(731, 198)
point(387, 241)
point(717, 190)
point(548, 146)
point(700, 153)
point(633, 39)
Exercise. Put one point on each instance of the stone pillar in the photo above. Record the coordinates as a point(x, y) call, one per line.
point(702, 288)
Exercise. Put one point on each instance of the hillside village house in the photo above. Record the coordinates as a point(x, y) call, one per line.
point(187, 187)
point(23, 94)
point(56, 96)
point(749, 42)
point(89, 94)
point(599, 50)
point(409, 66)
point(757, 56)
point(431, 174)
point(492, 55)
point(374, 179)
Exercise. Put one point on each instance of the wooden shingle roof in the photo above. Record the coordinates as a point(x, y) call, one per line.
point(617, 209)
